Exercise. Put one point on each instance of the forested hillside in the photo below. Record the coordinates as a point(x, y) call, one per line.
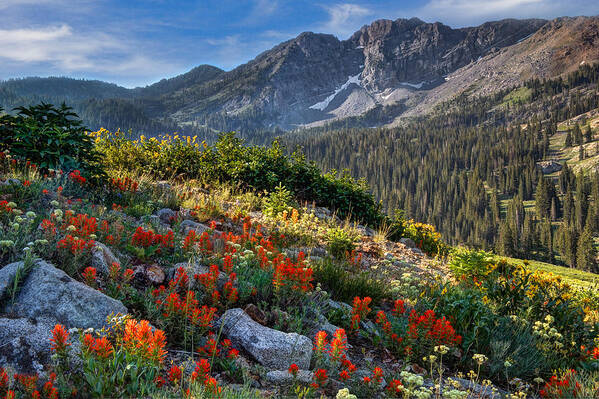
point(471, 168)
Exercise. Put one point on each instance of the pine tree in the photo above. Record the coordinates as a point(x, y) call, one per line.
point(585, 252)
point(527, 240)
point(568, 142)
point(547, 239)
point(577, 134)
point(542, 201)
point(505, 243)
point(568, 207)
point(580, 204)
point(588, 135)
point(494, 205)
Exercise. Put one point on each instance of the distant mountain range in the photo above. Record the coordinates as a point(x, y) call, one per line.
point(384, 72)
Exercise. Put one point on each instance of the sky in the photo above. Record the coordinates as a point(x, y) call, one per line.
point(135, 43)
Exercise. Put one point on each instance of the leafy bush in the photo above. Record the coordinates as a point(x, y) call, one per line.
point(278, 201)
point(340, 242)
point(470, 316)
point(424, 235)
point(427, 238)
point(52, 138)
point(253, 167)
point(470, 263)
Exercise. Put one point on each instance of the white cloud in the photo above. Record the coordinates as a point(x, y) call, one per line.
point(262, 10)
point(345, 19)
point(472, 12)
point(14, 3)
point(61, 48)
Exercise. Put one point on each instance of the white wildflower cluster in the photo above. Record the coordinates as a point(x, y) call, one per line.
point(407, 286)
point(548, 334)
point(345, 394)
point(58, 214)
point(412, 386)
point(455, 394)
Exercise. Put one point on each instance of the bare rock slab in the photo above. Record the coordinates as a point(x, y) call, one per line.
point(271, 348)
point(25, 344)
point(49, 292)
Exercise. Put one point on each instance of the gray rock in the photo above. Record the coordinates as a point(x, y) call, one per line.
point(417, 251)
point(486, 392)
point(51, 293)
point(103, 258)
point(270, 348)
point(365, 230)
point(166, 215)
point(369, 327)
point(316, 322)
point(25, 344)
point(327, 327)
point(547, 167)
point(188, 225)
point(408, 242)
point(193, 269)
point(154, 220)
point(284, 377)
point(339, 305)
point(12, 181)
point(163, 185)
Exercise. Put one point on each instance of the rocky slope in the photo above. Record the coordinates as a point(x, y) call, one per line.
point(316, 77)
point(558, 47)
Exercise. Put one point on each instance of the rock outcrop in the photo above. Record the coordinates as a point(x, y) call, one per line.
point(548, 167)
point(271, 348)
point(48, 292)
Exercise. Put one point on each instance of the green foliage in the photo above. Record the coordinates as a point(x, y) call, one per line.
point(516, 344)
point(52, 138)
point(344, 285)
point(427, 238)
point(253, 167)
point(278, 201)
point(469, 315)
point(340, 242)
point(466, 263)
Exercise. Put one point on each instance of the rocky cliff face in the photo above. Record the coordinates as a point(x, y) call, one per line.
point(316, 77)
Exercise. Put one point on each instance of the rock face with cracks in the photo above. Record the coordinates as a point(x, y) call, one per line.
point(47, 296)
point(271, 348)
point(50, 293)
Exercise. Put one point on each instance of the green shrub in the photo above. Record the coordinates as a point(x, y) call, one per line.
point(253, 167)
point(424, 235)
point(340, 242)
point(52, 138)
point(469, 315)
point(470, 263)
point(344, 285)
point(278, 201)
point(515, 344)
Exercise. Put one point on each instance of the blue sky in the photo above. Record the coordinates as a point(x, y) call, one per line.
point(134, 43)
